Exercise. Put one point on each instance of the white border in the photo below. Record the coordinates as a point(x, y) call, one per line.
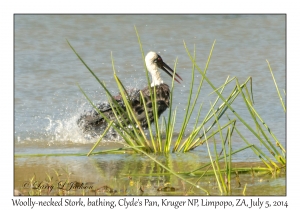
point(6, 71)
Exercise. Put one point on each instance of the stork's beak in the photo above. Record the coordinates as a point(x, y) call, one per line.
point(162, 65)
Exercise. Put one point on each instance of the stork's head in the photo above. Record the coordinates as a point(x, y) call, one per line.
point(153, 62)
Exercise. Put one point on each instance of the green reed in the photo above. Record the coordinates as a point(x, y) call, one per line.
point(242, 90)
point(278, 92)
point(181, 144)
point(128, 127)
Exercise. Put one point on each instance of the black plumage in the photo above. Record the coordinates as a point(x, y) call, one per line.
point(93, 122)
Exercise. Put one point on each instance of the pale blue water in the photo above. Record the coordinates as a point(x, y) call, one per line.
point(48, 101)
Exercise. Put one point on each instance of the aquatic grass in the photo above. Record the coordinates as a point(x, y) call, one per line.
point(189, 143)
point(223, 183)
point(261, 155)
point(172, 172)
point(99, 81)
point(170, 131)
point(137, 129)
point(187, 113)
point(100, 138)
point(156, 121)
point(139, 135)
point(148, 121)
point(242, 170)
point(127, 116)
point(128, 127)
point(222, 108)
point(190, 108)
point(244, 190)
point(171, 117)
point(151, 95)
point(266, 141)
point(229, 163)
point(256, 115)
point(137, 132)
point(213, 164)
point(193, 172)
point(124, 133)
point(170, 123)
point(130, 130)
point(192, 141)
point(271, 165)
point(275, 83)
point(267, 144)
point(111, 100)
point(120, 150)
point(223, 142)
point(157, 145)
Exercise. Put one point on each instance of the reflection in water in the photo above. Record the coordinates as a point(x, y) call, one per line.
point(131, 175)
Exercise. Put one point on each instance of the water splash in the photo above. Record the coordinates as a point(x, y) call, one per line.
point(67, 129)
point(61, 127)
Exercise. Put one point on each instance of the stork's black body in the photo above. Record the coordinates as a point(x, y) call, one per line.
point(93, 122)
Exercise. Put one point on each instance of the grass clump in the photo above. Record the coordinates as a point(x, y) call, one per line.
point(135, 137)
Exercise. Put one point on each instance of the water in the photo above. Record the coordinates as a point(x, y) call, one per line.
point(126, 174)
point(48, 100)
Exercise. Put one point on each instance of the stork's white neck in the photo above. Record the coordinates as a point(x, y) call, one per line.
point(156, 79)
point(153, 70)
